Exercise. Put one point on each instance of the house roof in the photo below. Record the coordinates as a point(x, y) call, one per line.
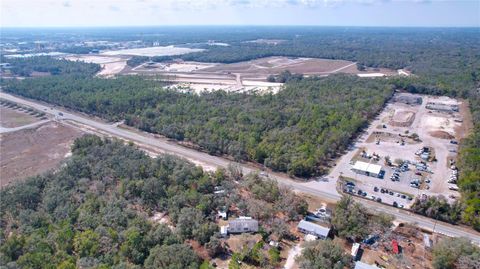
point(361, 265)
point(240, 224)
point(314, 228)
point(367, 167)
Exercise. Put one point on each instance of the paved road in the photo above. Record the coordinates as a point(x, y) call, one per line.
point(320, 189)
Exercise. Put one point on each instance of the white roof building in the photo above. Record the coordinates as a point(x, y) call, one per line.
point(371, 75)
point(367, 168)
point(361, 265)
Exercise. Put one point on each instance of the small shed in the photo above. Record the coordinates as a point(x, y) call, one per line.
point(243, 225)
point(307, 227)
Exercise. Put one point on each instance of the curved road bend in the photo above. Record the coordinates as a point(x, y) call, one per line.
point(320, 189)
point(28, 126)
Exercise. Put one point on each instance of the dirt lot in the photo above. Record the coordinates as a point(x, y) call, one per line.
point(29, 152)
point(11, 118)
point(111, 65)
point(248, 76)
point(413, 253)
point(152, 51)
point(275, 65)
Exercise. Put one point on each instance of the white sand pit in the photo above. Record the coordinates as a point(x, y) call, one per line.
point(435, 123)
point(110, 65)
point(96, 59)
point(152, 51)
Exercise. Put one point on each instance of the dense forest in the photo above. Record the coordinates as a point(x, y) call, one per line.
point(299, 130)
point(25, 66)
point(96, 211)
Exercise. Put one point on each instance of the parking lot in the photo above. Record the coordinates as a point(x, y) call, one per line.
point(413, 143)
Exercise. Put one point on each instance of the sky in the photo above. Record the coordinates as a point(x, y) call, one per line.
point(388, 13)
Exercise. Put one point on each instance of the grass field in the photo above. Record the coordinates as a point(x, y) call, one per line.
point(11, 118)
point(32, 151)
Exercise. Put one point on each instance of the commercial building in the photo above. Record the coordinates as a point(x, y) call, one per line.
point(369, 169)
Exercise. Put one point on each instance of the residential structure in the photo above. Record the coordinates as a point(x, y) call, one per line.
point(362, 265)
point(242, 225)
point(307, 227)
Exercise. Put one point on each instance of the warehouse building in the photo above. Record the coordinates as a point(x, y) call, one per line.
point(369, 169)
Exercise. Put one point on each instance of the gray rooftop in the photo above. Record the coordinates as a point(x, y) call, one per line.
point(242, 225)
point(313, 228)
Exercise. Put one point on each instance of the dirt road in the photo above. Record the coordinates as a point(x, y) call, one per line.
point(28, 126)
point(315, 188)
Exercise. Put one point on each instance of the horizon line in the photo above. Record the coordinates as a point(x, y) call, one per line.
point(236, 25)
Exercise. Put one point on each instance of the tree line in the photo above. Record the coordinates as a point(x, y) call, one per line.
point(25, 66)
point(298, 131)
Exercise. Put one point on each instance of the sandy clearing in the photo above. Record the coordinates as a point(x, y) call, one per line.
point(110, 69)
point(438, 123)
point(111, 65)
point(30, 152)
point(97, 59)
point(175, 67)
point(152, 51)
point(292, 254)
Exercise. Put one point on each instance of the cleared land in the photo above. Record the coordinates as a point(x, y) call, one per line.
point(275, 65)
point(248, 76)
point(111, 65)
point(32, 151)
point(11, 118)
point(152, 51)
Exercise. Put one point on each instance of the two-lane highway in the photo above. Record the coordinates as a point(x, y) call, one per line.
point(324, 190)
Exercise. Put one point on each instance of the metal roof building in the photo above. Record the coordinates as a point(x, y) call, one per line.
point(368, 169)
point(314, 229)
point(362, 265)
point(242, 225)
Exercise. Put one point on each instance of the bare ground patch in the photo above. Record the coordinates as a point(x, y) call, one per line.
point(441, 134)
point(29, 152)
point(11, 118)
point(403, 118)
